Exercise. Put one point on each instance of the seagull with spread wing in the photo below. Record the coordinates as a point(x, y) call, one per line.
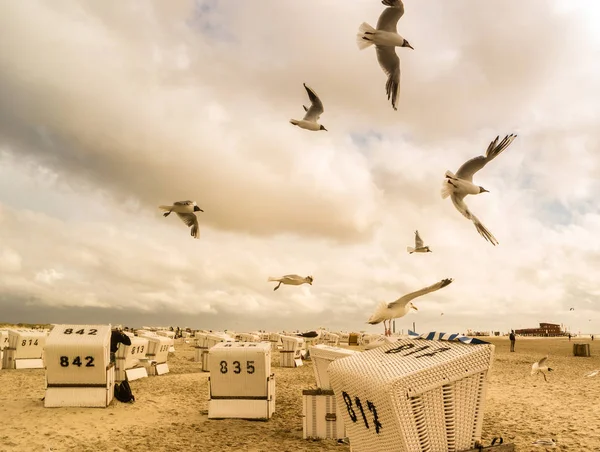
point(386, 39)
point(459, 185)
point(292, 280)
point(186, 211)
point(540, 367)
point(309, 122)
point(401, 307)
point(419, 248)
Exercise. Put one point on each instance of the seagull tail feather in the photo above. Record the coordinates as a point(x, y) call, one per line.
point(271, 279)
point(294, 121)
point(410, 249)
point(446, 189)
point(379, 315)
point(165, 207)
point(363, 40)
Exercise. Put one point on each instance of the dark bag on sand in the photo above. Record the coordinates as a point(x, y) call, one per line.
point(123, 392)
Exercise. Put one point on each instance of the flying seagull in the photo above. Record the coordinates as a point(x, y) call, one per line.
point(572, 309)
point(459, 185)
point(540, 367)
point(386, 39)
point(309, 122)
point(186, 211)
point(419, 248)
point(292, 280)
point(401, 307)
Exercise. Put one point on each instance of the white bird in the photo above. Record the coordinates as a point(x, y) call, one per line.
point(185, 210)
point(419, 248)
point(401, 307)
point(545, 442)
point(593, 373)
point(540, 367)
point(309, 122)
point(386, 39)
point(459, 185)
point(291, 280)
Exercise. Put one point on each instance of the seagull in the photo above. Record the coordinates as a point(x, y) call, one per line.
point(572, 309)
point(309, 334)
point(545, 442)
point(401, 307)
point(540, 367)
point(386, 38)
point(186, 211)
point(419, 248)
point(309, 122)
point(292, 280)
point(459, 185)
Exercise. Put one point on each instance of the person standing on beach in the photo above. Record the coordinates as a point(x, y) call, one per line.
point(512, 338)
point(569, 336)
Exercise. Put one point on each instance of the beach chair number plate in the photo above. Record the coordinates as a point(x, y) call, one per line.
point(405, 347)
point(92, 332)
point(358, 403)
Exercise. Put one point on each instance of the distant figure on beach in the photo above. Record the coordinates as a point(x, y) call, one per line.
point(569, 336)
point(592, 337)
point(512, 338)
point(117, 337)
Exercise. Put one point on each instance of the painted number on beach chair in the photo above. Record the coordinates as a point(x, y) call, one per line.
point(64, 361)
point(138, 349)
point(163, 348)
point(92, 331)
point(25, 342)
point(358, 403)
point(237, 367)
point(405, 347)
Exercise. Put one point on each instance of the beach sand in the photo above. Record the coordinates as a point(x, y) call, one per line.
point(170, 412)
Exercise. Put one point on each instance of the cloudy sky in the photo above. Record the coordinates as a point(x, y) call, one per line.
point(109, 109)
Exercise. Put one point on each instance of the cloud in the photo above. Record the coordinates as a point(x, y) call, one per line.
point(110, 111)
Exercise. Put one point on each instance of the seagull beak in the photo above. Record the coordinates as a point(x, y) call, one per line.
point(409, 46)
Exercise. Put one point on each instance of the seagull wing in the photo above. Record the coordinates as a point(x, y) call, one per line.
point(402, 301)
point(462, 208)
point(418, 240)
point(390, 63)
point(191, 221)
point(184, 203)
point(316, 107)
point(542, 362)
point(470, 167)
point(390, 16)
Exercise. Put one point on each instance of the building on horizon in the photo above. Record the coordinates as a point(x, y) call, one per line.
point(545, 329)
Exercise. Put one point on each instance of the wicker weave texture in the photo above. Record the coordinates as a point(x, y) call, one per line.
point(77, 354)
point(413, 395)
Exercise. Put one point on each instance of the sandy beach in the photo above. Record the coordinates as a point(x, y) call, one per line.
point(170, 412)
